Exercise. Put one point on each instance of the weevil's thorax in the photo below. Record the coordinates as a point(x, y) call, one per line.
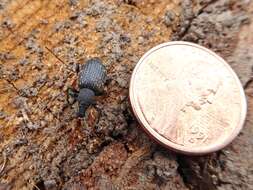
point(86, 96)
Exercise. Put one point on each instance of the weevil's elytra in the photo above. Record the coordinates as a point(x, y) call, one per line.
point(93, 76)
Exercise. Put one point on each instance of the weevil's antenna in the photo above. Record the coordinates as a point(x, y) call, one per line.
point(59, 59)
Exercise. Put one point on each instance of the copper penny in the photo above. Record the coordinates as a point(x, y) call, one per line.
point(187, 98)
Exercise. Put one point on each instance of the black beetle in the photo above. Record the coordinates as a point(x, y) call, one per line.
point(91, 80)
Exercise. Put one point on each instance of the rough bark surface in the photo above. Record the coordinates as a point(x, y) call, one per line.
point(44, 146)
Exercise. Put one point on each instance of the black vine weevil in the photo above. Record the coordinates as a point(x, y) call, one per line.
point(91, 80)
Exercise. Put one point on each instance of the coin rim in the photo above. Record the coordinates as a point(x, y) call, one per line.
point(166, 142)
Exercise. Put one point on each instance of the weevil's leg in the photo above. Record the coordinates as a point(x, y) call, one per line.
point(108, 80)
point(73, 93)
point(77, 67)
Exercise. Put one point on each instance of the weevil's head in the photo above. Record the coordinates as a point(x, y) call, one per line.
point(86, 97)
